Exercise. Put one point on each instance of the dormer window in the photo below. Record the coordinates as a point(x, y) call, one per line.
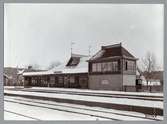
point(74, 61)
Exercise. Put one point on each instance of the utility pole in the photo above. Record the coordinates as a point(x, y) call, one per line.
point(72, 43)
point(90, 50)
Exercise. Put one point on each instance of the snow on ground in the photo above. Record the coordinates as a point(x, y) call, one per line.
point(124, 101)
point(43, 113)
point(12, 116)
point(95, 91)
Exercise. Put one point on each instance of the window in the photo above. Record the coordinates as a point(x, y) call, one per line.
point(72, 79)
point(75, 61)
point(115, 66)
point(130, 66)
point(33, 81)
point(98, 67)
point(94, 67)
point(60, 79)
point(105, 67)
point(109, 67)
point(126, 65)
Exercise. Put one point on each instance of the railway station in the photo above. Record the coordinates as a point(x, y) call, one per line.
point(111, 68)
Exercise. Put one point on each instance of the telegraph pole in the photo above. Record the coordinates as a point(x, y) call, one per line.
point(90, 50)
point(72, 43)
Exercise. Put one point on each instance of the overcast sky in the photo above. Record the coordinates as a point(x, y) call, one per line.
point(42, 33)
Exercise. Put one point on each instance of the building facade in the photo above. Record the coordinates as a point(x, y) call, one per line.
point(73, 74)
point(112, 68)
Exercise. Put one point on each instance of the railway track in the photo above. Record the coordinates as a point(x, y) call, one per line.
point(77, 110)
point(141, 97)
point(52, 108)
point(19, 114)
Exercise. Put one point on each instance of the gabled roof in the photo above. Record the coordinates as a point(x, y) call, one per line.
point(112, 51)
point(81, 67)
point(75, 59)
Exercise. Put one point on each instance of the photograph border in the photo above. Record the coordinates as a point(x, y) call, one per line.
point(2, 2)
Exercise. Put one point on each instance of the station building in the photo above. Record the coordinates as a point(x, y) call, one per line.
point(71, 74)
point(111, 68)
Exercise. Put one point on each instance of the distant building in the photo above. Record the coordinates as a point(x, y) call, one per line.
point(154, 82)
point(12, 73)
point(7, 80)
point(16, 75)
point(154, 78)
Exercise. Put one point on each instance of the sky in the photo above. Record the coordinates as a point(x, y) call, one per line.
point(42, 33)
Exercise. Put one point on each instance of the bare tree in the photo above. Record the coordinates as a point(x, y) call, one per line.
point(149, 65)
point(54, 64)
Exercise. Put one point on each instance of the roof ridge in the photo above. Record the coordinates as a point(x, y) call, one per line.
point(122, 48)
point(78, 55)
point(112, 46)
